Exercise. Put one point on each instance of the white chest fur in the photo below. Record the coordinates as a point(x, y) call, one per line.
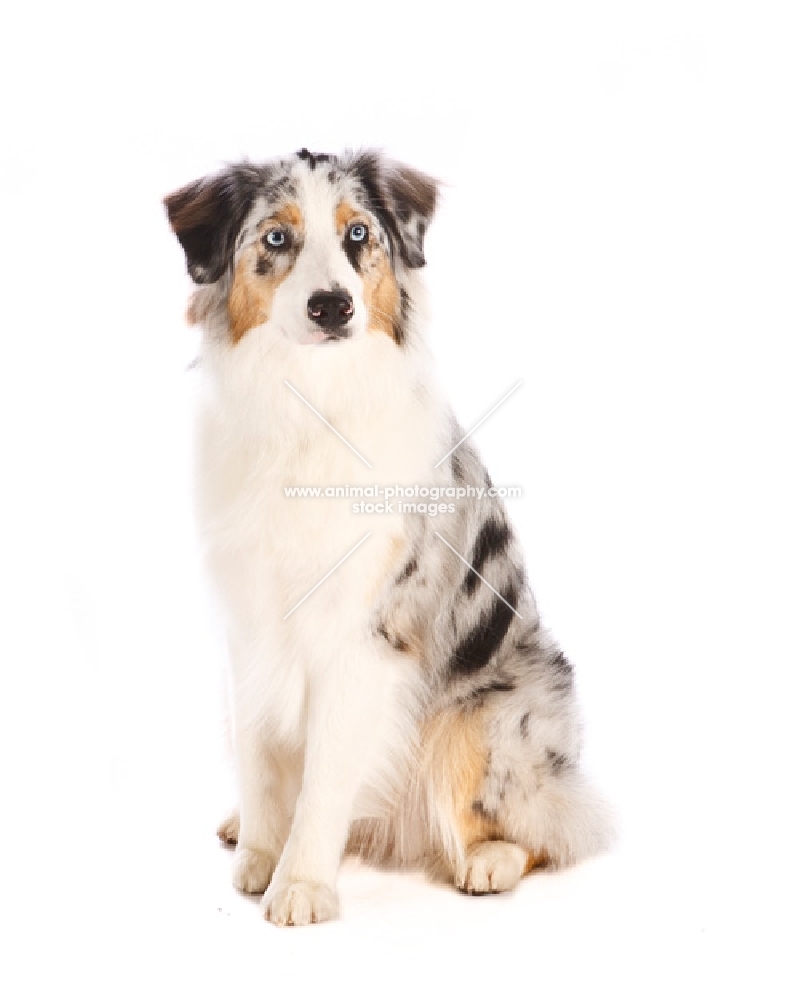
point(257, 439)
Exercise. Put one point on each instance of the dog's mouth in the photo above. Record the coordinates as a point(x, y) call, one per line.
point(325, 336)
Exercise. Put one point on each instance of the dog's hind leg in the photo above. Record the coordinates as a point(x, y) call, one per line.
point(497, 811)
point(467, 840)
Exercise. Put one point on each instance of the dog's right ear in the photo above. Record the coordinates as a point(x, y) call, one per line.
point(207, 215)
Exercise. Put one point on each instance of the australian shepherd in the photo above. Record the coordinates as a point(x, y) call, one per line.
point(392, 691)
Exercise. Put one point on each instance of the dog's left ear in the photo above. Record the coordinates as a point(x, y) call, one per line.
point(207, 215)
point(412, 196)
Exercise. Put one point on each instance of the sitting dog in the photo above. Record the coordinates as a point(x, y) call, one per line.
point(392, 692)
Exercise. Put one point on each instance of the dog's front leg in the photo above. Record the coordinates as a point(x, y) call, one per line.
point(268, 779)
point(263, 817)
point(348, 721)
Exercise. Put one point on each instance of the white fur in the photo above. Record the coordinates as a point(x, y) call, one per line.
point(319, 705)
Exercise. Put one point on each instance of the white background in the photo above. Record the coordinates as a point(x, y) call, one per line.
point(620, 229)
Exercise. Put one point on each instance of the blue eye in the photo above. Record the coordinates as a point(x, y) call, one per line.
point(277, 239)
point(358, 233)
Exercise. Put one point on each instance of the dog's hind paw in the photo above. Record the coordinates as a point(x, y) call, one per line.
point(491, 866)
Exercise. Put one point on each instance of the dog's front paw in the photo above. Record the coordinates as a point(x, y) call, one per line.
point(492, 866)
point(252, 869)
point(299, 903)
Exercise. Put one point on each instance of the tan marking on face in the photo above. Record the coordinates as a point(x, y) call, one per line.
point(381, 294)
point(454, 759)
point(288, 215)
point(345, 214)
point(251, 294)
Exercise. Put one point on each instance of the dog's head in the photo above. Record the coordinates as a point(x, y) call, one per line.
point(315, 246)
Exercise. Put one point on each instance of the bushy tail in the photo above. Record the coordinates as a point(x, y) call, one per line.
point(564, 821)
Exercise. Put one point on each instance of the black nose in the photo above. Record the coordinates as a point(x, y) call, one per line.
point(330, 310)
